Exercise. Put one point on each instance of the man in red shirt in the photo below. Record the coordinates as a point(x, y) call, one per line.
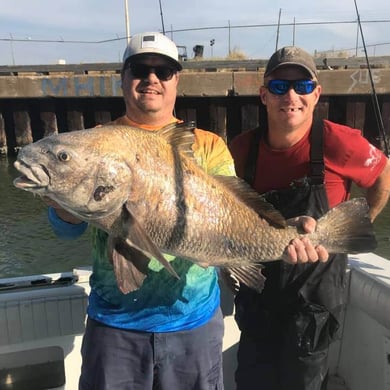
point(303, 167)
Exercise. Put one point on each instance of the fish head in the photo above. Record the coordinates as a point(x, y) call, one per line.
point(75, 170)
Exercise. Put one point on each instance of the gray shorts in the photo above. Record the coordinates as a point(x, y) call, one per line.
point(117, 359)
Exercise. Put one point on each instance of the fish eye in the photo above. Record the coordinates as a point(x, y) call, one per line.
point(63, 156)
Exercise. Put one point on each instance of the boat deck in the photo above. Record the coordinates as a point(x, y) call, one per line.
point(42, 322)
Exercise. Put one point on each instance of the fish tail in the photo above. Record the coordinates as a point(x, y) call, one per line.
point(347, 228)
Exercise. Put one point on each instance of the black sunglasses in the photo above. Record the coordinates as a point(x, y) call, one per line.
point(301, 87)
point(142, 71)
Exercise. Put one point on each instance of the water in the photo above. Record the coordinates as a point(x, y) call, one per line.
point(28, 245)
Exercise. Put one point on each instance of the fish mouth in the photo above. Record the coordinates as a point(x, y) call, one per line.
point(34, 177)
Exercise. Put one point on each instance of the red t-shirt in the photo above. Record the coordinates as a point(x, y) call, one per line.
point(348, 156)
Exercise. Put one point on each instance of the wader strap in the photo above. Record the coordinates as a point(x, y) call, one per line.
point(251, 160)
point(317, 166)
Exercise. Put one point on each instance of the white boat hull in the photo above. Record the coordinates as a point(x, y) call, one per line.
point(42, 321)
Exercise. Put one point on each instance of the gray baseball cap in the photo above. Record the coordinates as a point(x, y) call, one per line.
point(291, 55)
point(152, 43)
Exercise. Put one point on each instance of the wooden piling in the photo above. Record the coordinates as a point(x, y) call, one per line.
point(186, 114)
point(75, 120)
point(322, 109)
point(22, 122)
point(49, 122)
point(249, 116)
point(102, 116)
point(3, 137)
point(355, 115)
point(218, 120)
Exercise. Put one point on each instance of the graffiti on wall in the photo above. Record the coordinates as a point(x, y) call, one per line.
point(361, 77)
point(79, 86)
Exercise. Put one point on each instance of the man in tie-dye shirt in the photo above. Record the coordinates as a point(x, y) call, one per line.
point(168, 333)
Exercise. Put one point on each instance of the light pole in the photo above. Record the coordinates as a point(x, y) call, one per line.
point(229, 38)
point(277, 32)
point(212, 42)
point(12, 48)
point(127, 21)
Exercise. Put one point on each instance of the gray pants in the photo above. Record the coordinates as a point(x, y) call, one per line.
point(116, 359)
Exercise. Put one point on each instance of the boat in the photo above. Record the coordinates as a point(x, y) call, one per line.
point(42, 319)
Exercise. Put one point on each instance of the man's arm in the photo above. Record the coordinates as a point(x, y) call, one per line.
point(60, 212)
point(378, 194)
point(65, 225)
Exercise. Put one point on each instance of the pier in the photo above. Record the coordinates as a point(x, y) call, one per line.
point(221, 96)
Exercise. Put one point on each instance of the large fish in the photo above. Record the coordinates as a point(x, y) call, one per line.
point(147, 192)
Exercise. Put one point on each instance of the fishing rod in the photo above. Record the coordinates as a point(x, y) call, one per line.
point(162, 17)
point(377, 111)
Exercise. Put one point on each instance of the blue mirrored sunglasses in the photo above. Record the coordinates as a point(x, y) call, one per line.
point(301, 87)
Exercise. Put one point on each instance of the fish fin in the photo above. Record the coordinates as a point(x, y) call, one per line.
point(130, 265)
point(180, 136)
point(347, 228)
point(250, 275)
point(245, 193)
point(139, 239)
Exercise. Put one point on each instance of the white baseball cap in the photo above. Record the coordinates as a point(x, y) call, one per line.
point(152, 43)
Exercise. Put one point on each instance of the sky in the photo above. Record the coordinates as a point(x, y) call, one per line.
point(86, 31)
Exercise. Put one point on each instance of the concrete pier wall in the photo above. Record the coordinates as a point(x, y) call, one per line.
point(36, 103)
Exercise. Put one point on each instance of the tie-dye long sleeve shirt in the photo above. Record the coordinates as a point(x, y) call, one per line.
point(163, 303)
